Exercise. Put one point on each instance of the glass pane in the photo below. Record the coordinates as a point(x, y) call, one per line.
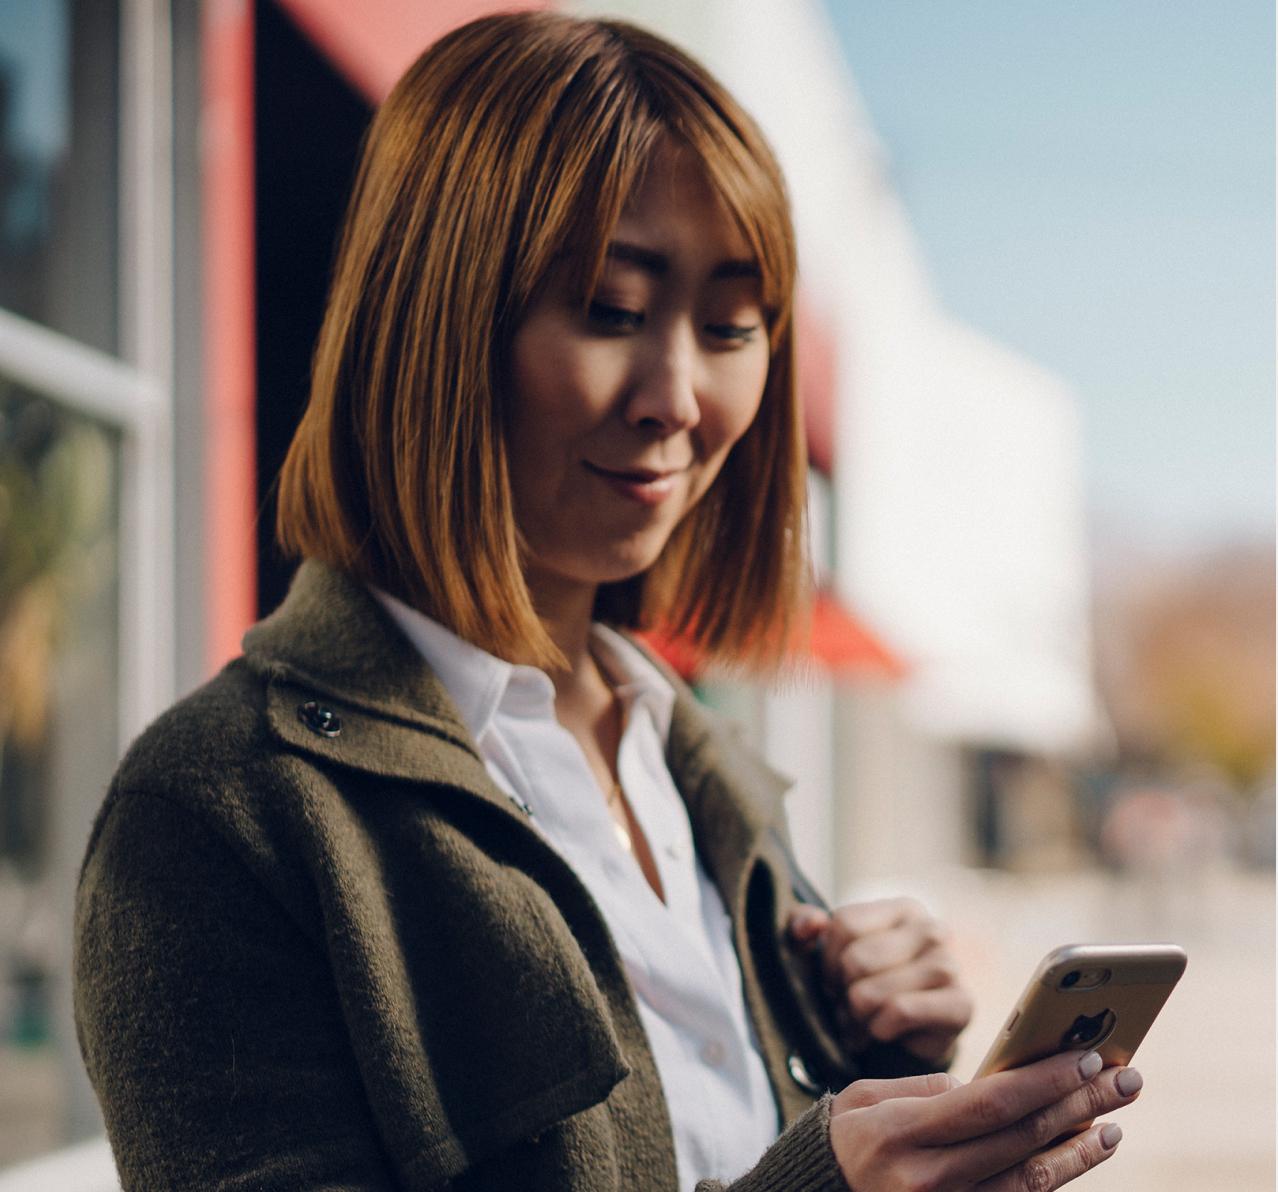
point(59, 667)
point(59, 115)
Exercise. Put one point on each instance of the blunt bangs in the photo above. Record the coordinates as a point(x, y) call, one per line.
point(629, 96)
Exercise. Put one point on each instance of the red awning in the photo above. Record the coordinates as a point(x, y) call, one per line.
point(843, 645)
point(373, 42)
point(838, 643)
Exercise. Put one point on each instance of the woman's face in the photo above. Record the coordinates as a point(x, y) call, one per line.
point(624, 413)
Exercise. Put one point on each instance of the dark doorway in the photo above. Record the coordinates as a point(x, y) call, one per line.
point(308, 129)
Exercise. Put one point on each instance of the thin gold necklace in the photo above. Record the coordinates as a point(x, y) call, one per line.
point(616, 796)
point(617, 808)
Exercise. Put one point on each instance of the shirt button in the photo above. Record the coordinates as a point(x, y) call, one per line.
point(714, 1053)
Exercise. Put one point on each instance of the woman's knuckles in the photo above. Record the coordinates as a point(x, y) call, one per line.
point(936, 934)
point(1097, 1097)
point(864, 998)
point(1038, 1174)
point(891, 1021)
point(1038, 1129)
point(992, 1106)
point(1062, 1164)
point(849, 967)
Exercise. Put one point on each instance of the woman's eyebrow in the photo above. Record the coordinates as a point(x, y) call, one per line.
point(658, 264)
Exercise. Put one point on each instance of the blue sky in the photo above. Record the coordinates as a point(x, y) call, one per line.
point(1092, 183)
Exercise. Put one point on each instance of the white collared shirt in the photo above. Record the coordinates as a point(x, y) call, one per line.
point(678, 955)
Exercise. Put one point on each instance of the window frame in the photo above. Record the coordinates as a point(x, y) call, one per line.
point(131, 393)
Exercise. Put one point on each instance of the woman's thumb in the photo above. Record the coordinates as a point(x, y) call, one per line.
point(807, 923)
point(863, 1093)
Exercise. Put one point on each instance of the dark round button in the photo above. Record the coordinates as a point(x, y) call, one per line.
point(319, 719)
point(801, 1076)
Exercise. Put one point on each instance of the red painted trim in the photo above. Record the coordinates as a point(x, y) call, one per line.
point(229, 349)
point(373, 42)
point(817, 378)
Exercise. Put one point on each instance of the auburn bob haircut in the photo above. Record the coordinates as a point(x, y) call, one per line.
point(512, 141)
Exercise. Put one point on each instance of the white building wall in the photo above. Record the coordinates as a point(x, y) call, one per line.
point(961, 536)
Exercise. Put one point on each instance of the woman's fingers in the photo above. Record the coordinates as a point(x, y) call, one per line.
point(1058, 1165)
point(915, 1010)
point(920, 1005)
point(995, 1102)
point(928, 1022)
point(871, 937)
point(935, 969)
point(1005, 1133)
point(1052, 1130)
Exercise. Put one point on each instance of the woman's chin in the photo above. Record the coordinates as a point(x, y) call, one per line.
point(605, 567)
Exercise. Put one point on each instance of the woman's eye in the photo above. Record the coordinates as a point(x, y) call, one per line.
point(733, 332)
point(615, 318)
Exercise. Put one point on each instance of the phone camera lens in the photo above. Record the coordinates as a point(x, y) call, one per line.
point(1070, 979)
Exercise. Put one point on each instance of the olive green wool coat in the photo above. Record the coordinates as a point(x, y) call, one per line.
point(317, 947)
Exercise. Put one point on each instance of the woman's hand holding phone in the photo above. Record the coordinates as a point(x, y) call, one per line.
point(1002, 1133)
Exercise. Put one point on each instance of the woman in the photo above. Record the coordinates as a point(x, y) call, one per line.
point(445, 883)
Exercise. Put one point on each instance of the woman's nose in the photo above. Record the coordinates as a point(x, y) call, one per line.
point(665, 394)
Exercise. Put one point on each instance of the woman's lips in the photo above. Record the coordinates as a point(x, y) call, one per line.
point(647, 486)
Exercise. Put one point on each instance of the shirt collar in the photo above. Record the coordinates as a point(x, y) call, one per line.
point(635, 678)
point(476, 679)
point(479, 682)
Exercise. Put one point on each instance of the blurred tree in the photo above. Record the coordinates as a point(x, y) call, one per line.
point(55, 484)
point(1186, 663)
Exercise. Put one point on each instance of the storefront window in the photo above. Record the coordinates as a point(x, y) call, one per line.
point(59, 665)
point(59, 110)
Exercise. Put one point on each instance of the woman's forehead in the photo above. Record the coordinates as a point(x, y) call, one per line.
point(675, 205)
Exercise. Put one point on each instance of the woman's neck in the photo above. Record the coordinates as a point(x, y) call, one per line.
point(566, 608)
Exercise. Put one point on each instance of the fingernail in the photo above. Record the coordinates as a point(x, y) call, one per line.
point(1129, 1082)
point(1089, 1065)
point(1110, 1136)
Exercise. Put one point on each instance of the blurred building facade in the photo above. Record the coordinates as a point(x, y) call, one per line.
point(172, 180)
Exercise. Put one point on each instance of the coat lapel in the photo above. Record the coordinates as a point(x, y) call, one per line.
point(733, 797)
point(345, 685)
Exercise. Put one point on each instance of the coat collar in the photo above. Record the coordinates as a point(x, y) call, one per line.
point(333, 659)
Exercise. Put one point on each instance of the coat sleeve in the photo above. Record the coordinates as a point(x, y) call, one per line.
point(208, 1021)
point(801, 1158)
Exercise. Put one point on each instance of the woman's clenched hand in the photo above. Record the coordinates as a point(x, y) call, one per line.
point(890, 971)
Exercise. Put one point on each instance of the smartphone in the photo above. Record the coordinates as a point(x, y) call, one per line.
point(1088, 997)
